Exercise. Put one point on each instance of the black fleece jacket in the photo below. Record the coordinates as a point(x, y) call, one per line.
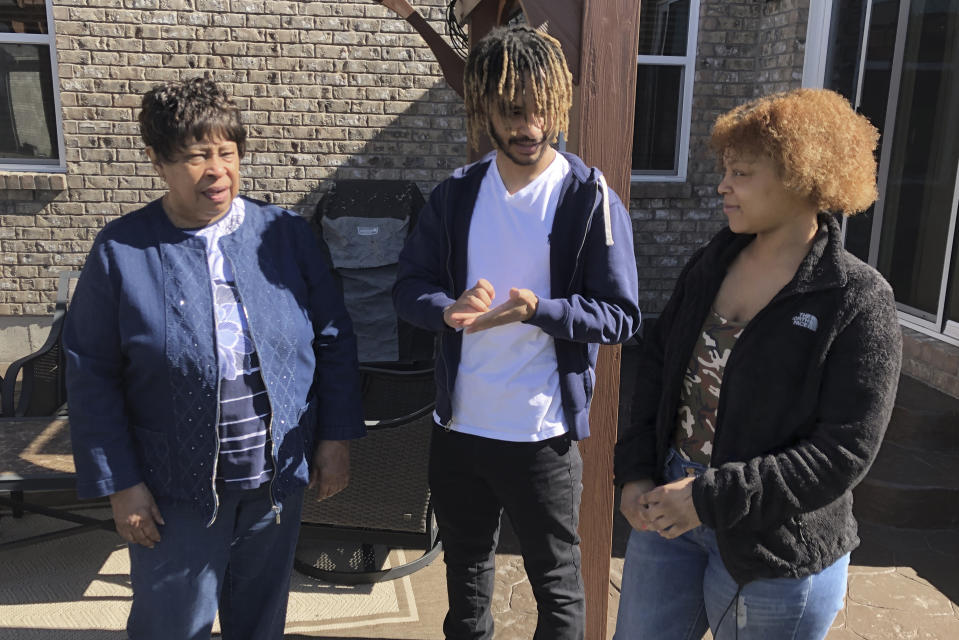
point(806, 396)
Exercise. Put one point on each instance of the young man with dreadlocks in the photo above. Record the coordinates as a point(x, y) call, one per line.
point(523, 263)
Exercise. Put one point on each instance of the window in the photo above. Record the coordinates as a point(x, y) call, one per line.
point(30, 135)
point(664, 89)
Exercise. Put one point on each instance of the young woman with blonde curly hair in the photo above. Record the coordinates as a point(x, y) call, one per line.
point(763, 392)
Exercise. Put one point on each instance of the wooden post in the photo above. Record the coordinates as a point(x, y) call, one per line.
point(604, 133)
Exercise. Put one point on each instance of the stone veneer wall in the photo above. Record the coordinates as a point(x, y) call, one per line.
point(930, 360)
point(330, 89)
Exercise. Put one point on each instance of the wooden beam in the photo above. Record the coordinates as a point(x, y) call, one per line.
point(483, 19)
point(563, 19)
point(463, 8)
point(604, 132)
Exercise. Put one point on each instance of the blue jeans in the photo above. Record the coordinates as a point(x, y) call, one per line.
point(241, 564)
point(675, 588)
point(539, 484)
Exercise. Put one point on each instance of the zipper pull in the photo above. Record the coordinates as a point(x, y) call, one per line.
point(449, 425)
point(276, 510)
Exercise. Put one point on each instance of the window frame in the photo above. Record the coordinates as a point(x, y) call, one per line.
point(688, 65)
point(935, 325)
point(48, 39)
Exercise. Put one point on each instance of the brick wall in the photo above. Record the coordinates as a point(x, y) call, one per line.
point(330, 89)
point(745, 49)
point(340, 89)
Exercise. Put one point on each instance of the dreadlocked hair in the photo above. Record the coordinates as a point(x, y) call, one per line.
point(513, 61)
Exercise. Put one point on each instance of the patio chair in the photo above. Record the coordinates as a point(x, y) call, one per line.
point(362, 225)
point(42, 385)
point(387, 503)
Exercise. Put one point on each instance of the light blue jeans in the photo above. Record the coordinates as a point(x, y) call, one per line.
point(674, 589)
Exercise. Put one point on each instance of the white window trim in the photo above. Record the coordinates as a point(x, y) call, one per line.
point(688, 63)
point(912, 322)
point(817, 44)
point(50, 40)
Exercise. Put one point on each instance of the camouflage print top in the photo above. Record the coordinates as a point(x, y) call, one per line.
point(699, 397)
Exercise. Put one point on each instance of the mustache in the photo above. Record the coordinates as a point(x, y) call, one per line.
point(525, 141)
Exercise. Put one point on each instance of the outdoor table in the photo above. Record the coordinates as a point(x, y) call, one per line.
point(35, 455)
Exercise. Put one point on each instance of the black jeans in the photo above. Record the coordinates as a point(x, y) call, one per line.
point(539, 484)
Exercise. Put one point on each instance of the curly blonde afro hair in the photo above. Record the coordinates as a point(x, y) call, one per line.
point(824, 149)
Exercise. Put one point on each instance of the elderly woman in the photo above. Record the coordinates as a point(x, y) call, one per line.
point(763, 391)
point(212, 374)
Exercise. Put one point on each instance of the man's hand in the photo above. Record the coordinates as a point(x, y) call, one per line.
point(636, 514)
point(331, 468)
point(670, 509)
point(401, 8)
point(520, 306)
point(473, 303)
point(136, 515)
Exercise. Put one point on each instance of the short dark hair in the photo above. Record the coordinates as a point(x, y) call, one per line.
point(175, 114)
point(508, 61)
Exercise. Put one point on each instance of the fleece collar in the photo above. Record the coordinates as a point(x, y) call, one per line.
point(824, 267)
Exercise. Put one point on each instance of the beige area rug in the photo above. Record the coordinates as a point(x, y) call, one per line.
point(78, 588)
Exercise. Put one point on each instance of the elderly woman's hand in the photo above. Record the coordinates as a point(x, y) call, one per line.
point(331, 468)
point(136, 515)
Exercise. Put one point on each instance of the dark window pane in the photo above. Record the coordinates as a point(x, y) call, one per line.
point(842, 59)
point(659, 100)
point(878, 66)
point(23, 16)
point(841, 75)
point(27, 119)
point(663, 27)
point(919, 190)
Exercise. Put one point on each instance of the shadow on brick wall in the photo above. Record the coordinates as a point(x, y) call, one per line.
point(422, 143)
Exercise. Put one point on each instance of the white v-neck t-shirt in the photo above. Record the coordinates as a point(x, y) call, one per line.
point(507, 386)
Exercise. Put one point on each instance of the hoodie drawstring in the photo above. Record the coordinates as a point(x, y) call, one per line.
point(602, 194)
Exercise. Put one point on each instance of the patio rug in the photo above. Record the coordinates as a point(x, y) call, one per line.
point(78, 588)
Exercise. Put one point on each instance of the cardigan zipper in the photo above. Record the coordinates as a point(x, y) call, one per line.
point(269, 395)
point(216, 419)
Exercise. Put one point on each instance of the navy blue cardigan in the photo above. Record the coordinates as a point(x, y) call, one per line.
point(142, 373)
